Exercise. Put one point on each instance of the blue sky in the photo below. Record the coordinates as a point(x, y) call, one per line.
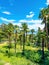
point(18, 11)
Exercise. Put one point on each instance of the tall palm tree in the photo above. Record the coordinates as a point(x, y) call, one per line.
point(2, 34)
point(44, 15)
point(21, 38)
point(27, 30)
point(8, 31)
point(32, 31)
point(29, 37)
point(42, 47)
point(4, 28)
point(16, 27)
point(39, 37)
point(24, 28)
point(43, 36)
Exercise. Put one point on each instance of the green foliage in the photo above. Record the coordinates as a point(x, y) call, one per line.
point(47, 61)
point(15, 60)
point(28, 43)
point(33, 56)
point(37, 58)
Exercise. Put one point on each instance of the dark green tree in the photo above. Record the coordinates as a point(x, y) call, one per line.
point(24, 28)
point(44, 14)
point(16, 28)
point(32, 31)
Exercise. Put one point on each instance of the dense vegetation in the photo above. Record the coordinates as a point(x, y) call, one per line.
point(20, 46)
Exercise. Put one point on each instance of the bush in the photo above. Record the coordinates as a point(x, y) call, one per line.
point(37, 57)
point(28, 43)
point(27, 54)
point(33, 56)
point(47, 60)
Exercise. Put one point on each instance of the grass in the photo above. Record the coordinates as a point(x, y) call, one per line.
point(31, 55)
point(14, 60)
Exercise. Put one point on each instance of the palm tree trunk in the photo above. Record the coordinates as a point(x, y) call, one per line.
point(32, 37)
point(15, 47)
point(46, 29)
point(15, 41)
point(23, 43)
point(9, 44)
point(26, 36)
point(43, 48)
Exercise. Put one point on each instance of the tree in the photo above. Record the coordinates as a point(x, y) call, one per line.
point(21, 38)
point(16, 28)
point(44, 13)
point(10, 32)
point(24, 28)
point(26, 33)
point(32, 31)
point(42, 47)
point(39, 37)
point(43, 36)
point(7, 33)
point(1, 34)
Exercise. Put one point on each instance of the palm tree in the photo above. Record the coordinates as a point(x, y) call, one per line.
point(42, 47)
point(10, 32)
point(3, 28)
point(44, 15)
point(32, 31)
point(2, 34)
point(16, 27)
point(39, 37)
point(24, 28)
point(7, 32)
point(29, 37)
point(21, 38)
point(27, 30)
point(43, 36)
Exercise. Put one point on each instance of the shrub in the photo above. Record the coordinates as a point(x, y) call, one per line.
point(33, 56)
point(37, 57)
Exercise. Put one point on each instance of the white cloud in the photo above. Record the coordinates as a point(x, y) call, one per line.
point(47, 2)
point(32, 26)
point(31, 14)
point(19, 24)
point(34, 23)
point(21, 21)
point(6, 20)
point(6, 12)
point(30, 21)
point(35, 26)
